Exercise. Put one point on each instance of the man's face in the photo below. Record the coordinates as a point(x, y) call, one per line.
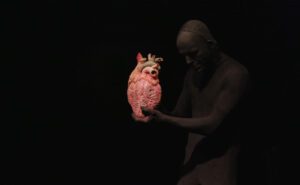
point(194, 48)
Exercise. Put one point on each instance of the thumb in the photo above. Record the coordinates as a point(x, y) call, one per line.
point(146, 111)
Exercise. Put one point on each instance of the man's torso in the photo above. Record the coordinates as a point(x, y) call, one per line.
point(209, 160)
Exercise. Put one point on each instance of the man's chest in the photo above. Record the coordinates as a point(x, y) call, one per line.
point(204, 96)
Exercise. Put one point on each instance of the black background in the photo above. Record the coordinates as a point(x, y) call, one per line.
point(65, 66)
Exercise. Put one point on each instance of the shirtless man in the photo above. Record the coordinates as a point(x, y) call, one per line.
point(207, 108)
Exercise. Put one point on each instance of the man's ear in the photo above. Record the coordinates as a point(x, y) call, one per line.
point(212, 44)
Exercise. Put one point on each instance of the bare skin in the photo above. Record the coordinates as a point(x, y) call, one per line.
point(214, 84)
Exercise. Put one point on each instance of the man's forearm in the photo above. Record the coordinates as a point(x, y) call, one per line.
point(201, 125)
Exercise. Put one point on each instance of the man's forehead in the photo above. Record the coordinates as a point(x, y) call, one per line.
point(187, 39)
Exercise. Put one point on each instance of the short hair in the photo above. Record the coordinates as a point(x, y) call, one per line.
point(197, 27)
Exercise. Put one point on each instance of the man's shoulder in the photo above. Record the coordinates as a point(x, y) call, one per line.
point(233, 68)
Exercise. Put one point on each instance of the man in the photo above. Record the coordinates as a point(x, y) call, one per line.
point(207, 108)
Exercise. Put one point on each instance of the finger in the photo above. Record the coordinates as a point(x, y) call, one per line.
point(146, 111)
point(137, 119)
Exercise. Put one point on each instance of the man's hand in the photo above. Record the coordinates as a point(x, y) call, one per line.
point(153, 114)
point(137, 119)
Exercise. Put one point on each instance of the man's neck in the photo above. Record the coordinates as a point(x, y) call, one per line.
point(214, 62)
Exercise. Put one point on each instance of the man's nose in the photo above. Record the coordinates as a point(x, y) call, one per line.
point(188, 60)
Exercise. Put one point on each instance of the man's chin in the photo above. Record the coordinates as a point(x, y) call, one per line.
point(199, 68)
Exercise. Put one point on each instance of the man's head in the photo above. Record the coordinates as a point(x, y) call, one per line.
point(196, 43)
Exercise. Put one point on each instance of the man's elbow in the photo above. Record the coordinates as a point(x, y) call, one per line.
point(207, 129)
point(212, 125)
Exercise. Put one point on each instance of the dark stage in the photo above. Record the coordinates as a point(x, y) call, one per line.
point(66, 118)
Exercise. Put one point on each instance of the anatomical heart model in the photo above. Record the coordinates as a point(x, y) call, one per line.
point(144, 89)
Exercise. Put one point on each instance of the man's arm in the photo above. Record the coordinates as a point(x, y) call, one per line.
point(228, 97)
